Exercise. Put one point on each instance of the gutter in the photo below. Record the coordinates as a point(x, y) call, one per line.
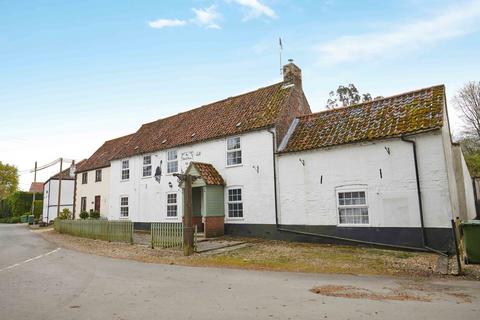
point(327, 236)
point(419, 196)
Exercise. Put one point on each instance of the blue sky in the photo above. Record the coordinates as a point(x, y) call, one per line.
point(76, 73)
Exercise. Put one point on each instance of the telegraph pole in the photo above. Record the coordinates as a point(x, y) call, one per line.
point(59, 187)
point(34, 192)
point(187, 180)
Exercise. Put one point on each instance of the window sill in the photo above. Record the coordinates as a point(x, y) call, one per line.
point(234, 165)
point(349, 225)
point(146, 177)
point(124, 180)
point(172, 218)
point(234, 219)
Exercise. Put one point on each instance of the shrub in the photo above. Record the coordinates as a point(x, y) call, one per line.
point(83, 215)
point(20, 202)
point(14, 220)
point(38, 209)
point(94, 215)
point(65, 214)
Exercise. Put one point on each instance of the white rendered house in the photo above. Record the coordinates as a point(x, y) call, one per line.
point(92, 179)
point(383, 172)
point(51, 189)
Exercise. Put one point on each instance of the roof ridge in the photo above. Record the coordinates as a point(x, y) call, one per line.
point(213, 102)
point(371, 101)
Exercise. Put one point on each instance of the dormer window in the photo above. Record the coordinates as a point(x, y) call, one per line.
point(147, 166)
point(234, 152)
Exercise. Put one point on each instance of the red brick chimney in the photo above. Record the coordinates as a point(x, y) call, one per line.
point(292, 74)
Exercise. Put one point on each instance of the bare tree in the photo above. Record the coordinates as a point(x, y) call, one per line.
point(467, 101)
point(346, 96)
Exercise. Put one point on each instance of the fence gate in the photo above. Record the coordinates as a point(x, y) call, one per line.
point(169, 235)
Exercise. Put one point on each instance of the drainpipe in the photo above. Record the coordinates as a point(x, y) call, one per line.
point(419, 196)
point(326, 236)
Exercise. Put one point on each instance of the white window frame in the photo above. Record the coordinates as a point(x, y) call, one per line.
point(125, 170)
point(233, 150)
point(339, 206)
point(172, 161)
point(144, 166)
point(172, 204)
point(227, 202)
point(96, 175)
point(124, 206)
point(85, 175)
point(83, 204)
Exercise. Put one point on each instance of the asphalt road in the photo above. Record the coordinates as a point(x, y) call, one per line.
point(39, 281)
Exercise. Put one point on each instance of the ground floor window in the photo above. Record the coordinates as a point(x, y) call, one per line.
point(124, 207)
point(352, 207)
point(235, 203)
point(172, 207)
point(83, 204)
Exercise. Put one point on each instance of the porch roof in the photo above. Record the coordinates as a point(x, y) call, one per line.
point(207, 172)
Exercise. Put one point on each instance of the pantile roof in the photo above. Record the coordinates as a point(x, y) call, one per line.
point(410, 112)
point(208, 173)
point(101, 158)
point(250, 111)
point(36, 187)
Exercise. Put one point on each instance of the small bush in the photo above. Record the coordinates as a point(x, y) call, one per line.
point(94, 215)
point(38, 209)
point(83, 215)
point(14, 220)
point(65, 214)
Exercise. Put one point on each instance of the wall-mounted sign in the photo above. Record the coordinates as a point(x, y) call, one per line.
point(187, 155)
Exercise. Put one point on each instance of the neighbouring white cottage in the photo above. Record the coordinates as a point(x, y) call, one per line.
point(51, 189)
point(383, 172)
point(92, 179)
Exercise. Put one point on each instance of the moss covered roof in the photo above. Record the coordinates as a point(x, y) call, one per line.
point(406, 113)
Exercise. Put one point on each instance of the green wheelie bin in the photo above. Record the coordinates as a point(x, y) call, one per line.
point(471, 241)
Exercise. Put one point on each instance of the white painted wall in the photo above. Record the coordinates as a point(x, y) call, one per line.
point(92, 189)
point(392, 200)
point(147, 198)
point(469, 193)
point(50, 198)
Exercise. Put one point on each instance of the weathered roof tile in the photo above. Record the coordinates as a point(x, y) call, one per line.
point(410, 112)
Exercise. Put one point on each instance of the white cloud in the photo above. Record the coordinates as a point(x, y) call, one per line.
point(454, 22)
point(162, 23)
point(255, 9)
point(207, 17)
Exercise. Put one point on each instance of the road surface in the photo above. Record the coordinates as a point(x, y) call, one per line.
point(39, 281)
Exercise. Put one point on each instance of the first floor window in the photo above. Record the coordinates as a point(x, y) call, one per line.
point(147, 166)
point(125, 170)
point(234, 151)
point(98, 175)
point(235, 203)
point(83, 204)
point(172, 161)
point(352, 207)
point(123, 207)
point(172, 205)
point(84, 178)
